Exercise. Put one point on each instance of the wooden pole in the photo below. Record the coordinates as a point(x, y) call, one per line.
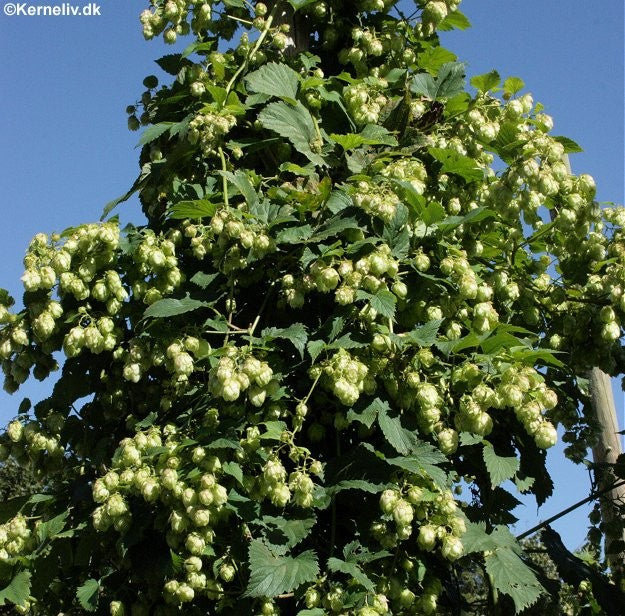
point(604, 454)
point(298, 28)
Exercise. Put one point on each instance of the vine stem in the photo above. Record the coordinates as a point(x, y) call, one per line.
point(333, 528)
point(312, 387)
point(247, 22)
point(252, 328)
point(230, 311)
point(297, 426)
point(493, 592)
point(224, 180)
point(254, 49)
point(317, 129)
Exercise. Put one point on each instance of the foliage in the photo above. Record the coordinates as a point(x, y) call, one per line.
point(564, 595)
point(16, 480)
point(337, 316)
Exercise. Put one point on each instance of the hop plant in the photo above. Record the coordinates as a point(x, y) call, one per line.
point(338, 316)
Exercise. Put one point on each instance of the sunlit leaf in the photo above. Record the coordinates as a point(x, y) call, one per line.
point(353, 570)
point(570, 146)
point(398, 437)
point(448, 82)
point(296, 334)
point(199, 208)
point(274, 79)
point(272, 575)
point(434, 57)
point(486, 82)
point(18, 590)
point(499, 468)
point(170, 307)
point(454, 20)
point(154, 132)
point(512, 85)
point(461, 165)
point(511, 576)
point(294, 123)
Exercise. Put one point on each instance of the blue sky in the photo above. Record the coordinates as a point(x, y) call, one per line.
point(66, 151)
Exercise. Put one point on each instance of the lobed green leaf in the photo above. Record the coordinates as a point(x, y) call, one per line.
point(511, 576)
point(459, 164)
point(448, 82)
point(88, 595)
point(486, 82)
point(499, 468)
point(296, 334)
point(398, 437)
point(295, 124)
point(18, 590)
point(170, 307)
point(274, 79)
point(199, 208)
point(434, 57)
point(154, 132)
point(272, 575)
point(353, 570)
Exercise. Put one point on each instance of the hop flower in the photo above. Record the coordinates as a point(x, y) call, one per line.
point(208, 129)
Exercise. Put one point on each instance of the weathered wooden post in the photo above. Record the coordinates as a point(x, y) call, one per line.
point(604, 454)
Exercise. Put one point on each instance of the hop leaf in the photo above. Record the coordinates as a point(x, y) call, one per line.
point(448, 82)
point(274, 80)
point(513, 577)
point(87, 595)
point(296, 334)
point(399, 438)
point(510, 575)
point(486, 82)
point(352, 569)
point(171, 307)
point(294, 123)
point(272, 575)
point(499, 468)
point(18, 590)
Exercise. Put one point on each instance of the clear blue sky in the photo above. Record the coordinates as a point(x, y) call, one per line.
point(65, 149)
